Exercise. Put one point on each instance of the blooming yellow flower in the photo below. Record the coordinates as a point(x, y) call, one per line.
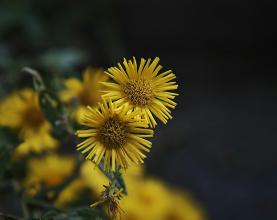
point(50, 171)
point(114, 134)
point(143, 87)
point(85, 92)
point(20, 111)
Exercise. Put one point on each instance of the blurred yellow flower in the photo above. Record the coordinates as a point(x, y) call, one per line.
point(49, 170)
point(71, 193)
point(143, 87)
point(114, 134)
point(182, 207)
point(146, 199)
point(93, 177)
point(85, 92)
point(20, 111)
point(150, 199)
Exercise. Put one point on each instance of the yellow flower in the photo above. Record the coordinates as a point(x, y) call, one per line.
point(71, 193)
point(182, 207)
point(20, 111)
point(50, 171)
point(151, 199)
point(114, 134)
point(146, 200)
point(143, 87)
point(93, 177)
point(85, 92)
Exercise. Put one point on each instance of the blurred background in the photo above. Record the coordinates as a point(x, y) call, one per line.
point(221, 145)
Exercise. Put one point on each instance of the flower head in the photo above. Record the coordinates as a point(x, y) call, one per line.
point(85, 92)
point(183, 206)
point(114, 134)
point(150, 199)
point(143, 87)
point(110, 198)
point(50, 171)
point(20, 111)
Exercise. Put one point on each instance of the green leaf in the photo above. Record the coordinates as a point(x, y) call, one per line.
point(6, 150)
point(118, 177)
point(51, 106)
point(5, 156)
point(63, 59)
point(76, 214)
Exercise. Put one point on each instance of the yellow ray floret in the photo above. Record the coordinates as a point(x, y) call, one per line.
point(143, 87)
point(115, 135)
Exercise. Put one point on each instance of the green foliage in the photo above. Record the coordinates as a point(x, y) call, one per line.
point(76, 214)
point(6, 149)
point(5, 155)
point(64, 58)
point(51, 106)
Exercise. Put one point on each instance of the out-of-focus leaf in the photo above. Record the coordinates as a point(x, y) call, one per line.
point(5, 156)
point(76, 214)
point(6, 149)
point(63, 59)
point(51, 106)
point(51, 214)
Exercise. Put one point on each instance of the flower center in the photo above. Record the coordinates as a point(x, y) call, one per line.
point(33, 116)
point(139, 92)
point(54, 179)
point(113, 133)
point(86, 97)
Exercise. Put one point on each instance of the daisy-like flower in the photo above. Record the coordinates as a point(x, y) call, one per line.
point(143, 87)
point(21, 112)
point(114, 134)
point(85, 92)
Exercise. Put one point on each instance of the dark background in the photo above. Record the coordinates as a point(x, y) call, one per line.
point(221, 144)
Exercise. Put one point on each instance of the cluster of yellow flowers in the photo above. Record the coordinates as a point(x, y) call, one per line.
point(148, 198)
point(119, 125)
point(118, 109)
